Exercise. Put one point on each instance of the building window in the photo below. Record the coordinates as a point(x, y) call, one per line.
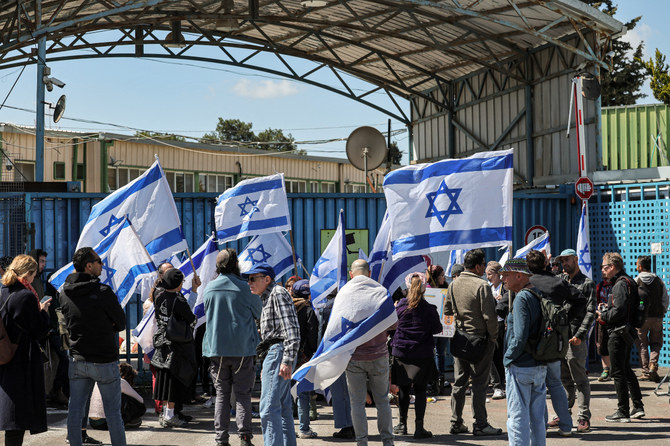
point(59, 171)
point(354, 188)
point(328, 188)
point(295, 186)
point(80, 174)
point(25, 171)
point(214, 183)
point(314, 187)
point(180, 181)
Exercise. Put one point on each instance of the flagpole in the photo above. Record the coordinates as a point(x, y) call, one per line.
point(295, 263)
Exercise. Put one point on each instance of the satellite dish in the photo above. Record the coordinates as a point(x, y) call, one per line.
point(366, 149)
point(59, 109)
point(590, 86)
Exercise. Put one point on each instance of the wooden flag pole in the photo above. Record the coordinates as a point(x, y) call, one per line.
point(295, 263)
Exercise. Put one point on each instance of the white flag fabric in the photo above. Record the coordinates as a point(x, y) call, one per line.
point(456, 256)
point(330, 271)
point(380, 248)
point(253, 207)
point(204, 260)
point(125, 263)
point(539, 244)
point(272, 249)
point(583, 246)
point(362, 310)
point(451, 204)
point(149, 205)
point(505, 255)
point(144, 332)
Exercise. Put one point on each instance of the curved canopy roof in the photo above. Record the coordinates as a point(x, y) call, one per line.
point(403, 47)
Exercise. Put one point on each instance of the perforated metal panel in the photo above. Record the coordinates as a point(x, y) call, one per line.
point(627, 219)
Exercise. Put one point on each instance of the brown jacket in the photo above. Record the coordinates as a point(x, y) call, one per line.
point(475, 304)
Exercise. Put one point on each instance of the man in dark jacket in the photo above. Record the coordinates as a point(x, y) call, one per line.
point(560, 292)
point(94, 318)
point(621, 336)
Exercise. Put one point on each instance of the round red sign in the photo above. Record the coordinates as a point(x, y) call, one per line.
point(584, 188)
point(534, 232)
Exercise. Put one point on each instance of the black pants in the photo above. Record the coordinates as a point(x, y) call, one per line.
point(624, 378)
point(14, 438)
point(419, 401)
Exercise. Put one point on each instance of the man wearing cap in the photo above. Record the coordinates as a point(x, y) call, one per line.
point(231, 311)
point(573, 366)
point(526, 388)
point(280, 339)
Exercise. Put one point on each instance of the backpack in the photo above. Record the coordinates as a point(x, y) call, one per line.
point(638, 304)
point(7, 347)
point(550, 343)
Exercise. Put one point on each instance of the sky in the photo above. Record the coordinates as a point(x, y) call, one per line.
point(186, 98)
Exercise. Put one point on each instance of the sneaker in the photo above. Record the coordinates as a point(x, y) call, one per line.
point(486, 430)
point(209, 403)
point(85, 439)
point(604, 376)
point(498, 394)
point(346, 433)
point(222, 443)
point(553, 423)
point(245, 440)
point(400, 429)
point(458, 429)
point(308, 434)
point(563, 433)
point(133, 424)
point(637, 413)
point(617, 417)
point(653, 376)
point(583, 425)
point(181, 416)
point(172, 422)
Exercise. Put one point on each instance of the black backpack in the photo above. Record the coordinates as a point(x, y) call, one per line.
point(550, 343)
point(638, 304)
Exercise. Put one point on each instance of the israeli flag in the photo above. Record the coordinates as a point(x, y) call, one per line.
point(456, 256)
point(330, 271)
point(583, 247)
point(204, 260)
point(362, 310)
point(144, 332)
point(380, 248)
point(272, 249)
point(451, 204)
point(125, 263)
point(539, 244)
point(149, 205)
point(253, 207)
point(505, 255)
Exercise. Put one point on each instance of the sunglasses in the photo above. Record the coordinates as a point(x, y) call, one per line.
point(253, 278)
point(606, 265)
point(98, 260)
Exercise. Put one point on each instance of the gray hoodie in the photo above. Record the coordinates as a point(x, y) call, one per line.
point(648, 277)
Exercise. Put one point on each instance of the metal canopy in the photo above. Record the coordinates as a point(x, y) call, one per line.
point(402, 48)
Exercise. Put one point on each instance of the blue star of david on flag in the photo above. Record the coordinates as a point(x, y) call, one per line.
point(113, 221)
point(109, 274)
point(248, 202)
point(264, 255)
point(454, 208)
point(582, 258)
point(347, 326)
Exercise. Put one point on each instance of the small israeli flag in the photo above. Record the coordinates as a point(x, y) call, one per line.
point(583, 246)
point(539, 244)
point(330, 271)
point(451, 204)
point(272, 249)
point(255, 206)
point(144, 332)
point(457, 256)
point(204, 260)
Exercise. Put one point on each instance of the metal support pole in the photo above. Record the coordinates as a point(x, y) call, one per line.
point(530, 144)
point(39, 106)
point(451, 129)
point(599, 128)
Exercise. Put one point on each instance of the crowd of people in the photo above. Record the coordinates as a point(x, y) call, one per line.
point(510, 312)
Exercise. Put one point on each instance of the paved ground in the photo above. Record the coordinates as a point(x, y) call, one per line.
point(654, 429)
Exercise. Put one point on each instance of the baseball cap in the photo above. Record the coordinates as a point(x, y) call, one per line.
point(567, 253)
point(301, 288)
point(260, 268)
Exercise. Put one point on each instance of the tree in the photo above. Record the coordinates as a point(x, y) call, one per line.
point(279, 141)
point(622, 83)
point(659, 72)
point(394, 154)
point(159, 135)
point(231, 130)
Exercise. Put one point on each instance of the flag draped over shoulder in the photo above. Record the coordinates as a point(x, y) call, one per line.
point(253, 207)
point(204, 260)
point(272, 249)
point(330, 271)
point(539, 244)
point(125, 262)
point(362, 310)
point(451, 204)
point(149, 205)
point(583, 246)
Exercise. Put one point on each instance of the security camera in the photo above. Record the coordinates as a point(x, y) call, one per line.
point(57, 82)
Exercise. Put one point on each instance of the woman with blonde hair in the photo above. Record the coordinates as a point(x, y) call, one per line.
point(23, 399)
point(412, 350)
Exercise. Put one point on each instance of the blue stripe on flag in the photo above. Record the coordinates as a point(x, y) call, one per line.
point(114, 200)
point(448, 167)
point(166, 240)
point(129, 281)
point(402, 267)
point(251, 188)
point(251, 226)
point(424, 242)
point(199, 310)
point(283, 264)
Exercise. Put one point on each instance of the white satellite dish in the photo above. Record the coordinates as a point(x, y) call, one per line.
point(366, 149)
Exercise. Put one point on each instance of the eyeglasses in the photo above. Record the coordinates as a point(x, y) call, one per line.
point(98, 260)
point(605, 265)
point(253, 278)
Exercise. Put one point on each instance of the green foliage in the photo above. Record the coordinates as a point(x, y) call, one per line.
point(159, 135)
point(660, 77)
point(394, 154)
point(278, 141)
point(231, 130)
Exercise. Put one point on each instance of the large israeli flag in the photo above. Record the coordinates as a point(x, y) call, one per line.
point(451, 204)
point(362, 310)
point(125, 262)
point(330, 271)
point(253, 207)
point(148, 203)
point(539, 244)
point(272, 249)
point(380, 248)
point(583, 246)
point(204, 260)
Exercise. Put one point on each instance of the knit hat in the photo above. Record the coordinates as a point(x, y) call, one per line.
point(301, 288)
point(172, 279)
point(516, 266)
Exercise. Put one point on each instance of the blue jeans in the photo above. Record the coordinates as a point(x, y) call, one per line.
point(303, 410)
point(276, 404)
point(559, 399)
point(374, 375)
point(339, 394)
point(83, 377)
point(526, 405)
point(441, 348)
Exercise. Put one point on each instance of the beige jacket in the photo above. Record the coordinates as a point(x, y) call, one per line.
point(475, 303)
